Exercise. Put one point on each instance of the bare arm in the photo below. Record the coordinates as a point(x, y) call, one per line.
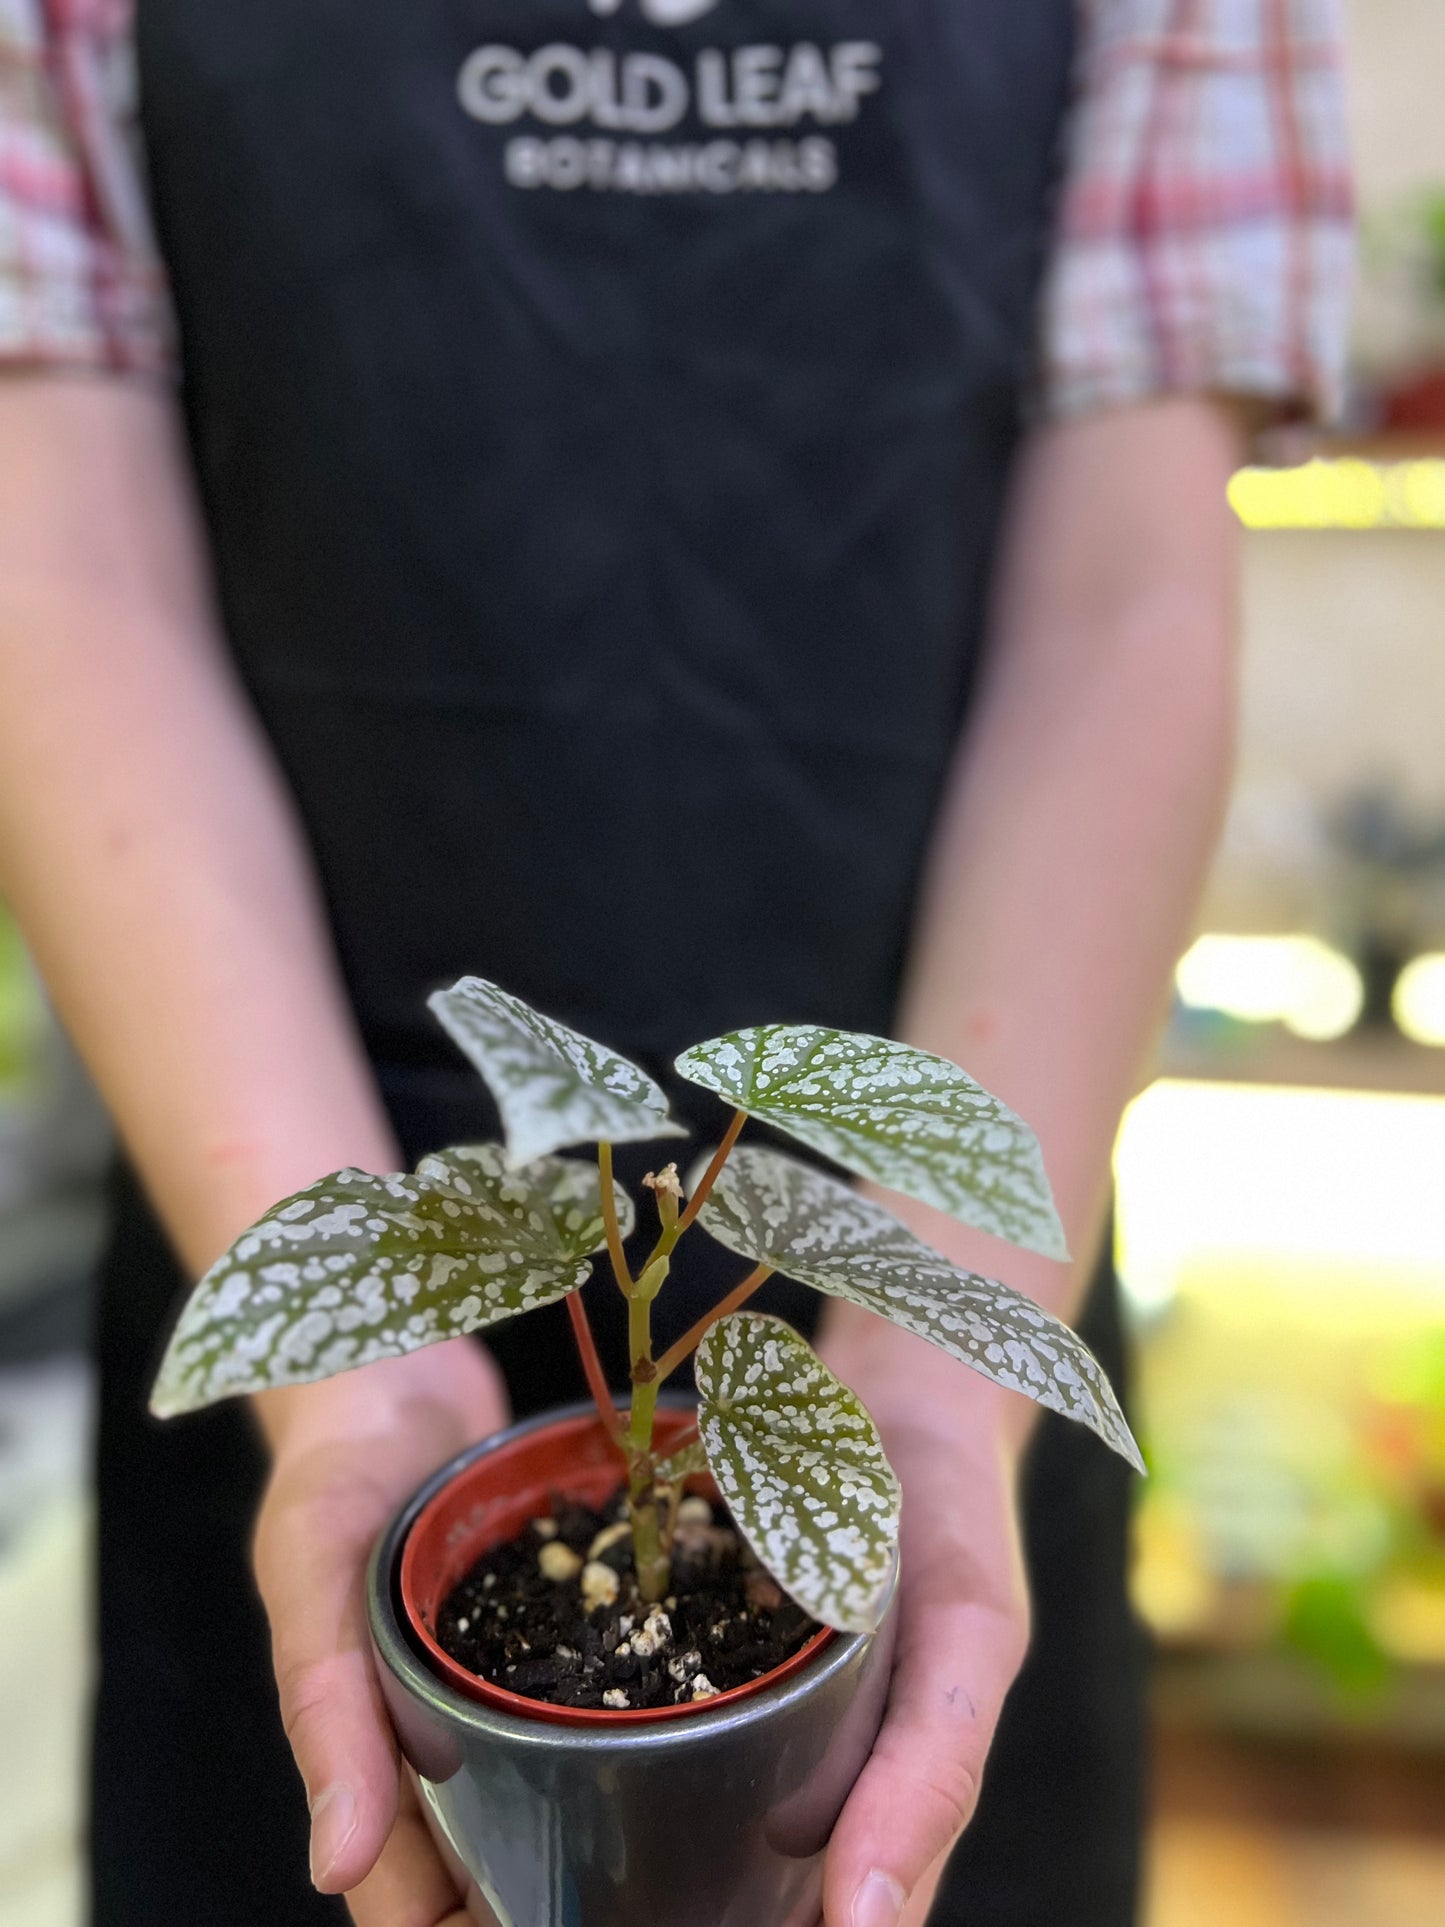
point(1089, 789)
point(145, 840)
point(148, 846)
point(1063, 876)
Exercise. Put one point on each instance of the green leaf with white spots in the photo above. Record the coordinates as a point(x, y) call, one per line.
point(358, 1268)
point(900, 1116)
point(774, 1210)
point(800, 1464)
point(682, 1464)
point(553, 1086)
point(567, 1188)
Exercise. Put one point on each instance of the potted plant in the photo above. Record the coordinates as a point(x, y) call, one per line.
point(622, 1701)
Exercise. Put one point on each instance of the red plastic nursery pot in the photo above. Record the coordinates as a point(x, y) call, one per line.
point(490, 1501)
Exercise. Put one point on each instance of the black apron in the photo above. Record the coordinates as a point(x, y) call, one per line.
point(601, 411)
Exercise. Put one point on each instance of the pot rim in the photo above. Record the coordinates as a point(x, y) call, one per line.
point(397, 1646)
point(490, 1693)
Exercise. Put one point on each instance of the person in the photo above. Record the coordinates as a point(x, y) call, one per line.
point(702, 511)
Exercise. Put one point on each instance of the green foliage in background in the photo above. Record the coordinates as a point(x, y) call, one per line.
point(22, 1012)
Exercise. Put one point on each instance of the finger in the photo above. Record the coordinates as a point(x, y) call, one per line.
point(920, 1901)
point(409, 1886)
point(919, 1789)
point(310, 1572)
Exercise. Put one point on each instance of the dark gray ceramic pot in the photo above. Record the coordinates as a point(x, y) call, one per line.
point(715, 1819)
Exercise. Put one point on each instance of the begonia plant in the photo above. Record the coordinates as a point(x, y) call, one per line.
point(361, 1267)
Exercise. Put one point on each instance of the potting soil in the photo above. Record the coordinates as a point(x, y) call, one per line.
point(723, 1622)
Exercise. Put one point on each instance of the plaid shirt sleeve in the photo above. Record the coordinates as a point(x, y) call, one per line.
point(80, 284)
point(1205, 239)
point(1204, 242)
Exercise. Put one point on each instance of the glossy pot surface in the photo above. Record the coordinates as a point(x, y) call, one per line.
point(715, 1819)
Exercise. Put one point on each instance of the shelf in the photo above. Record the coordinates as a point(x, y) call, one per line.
point(1272, 1695)
point(1361, 1063)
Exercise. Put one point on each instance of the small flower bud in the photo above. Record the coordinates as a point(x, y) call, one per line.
point(665, 1187)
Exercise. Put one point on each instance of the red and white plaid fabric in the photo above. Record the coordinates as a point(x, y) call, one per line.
point(1204, 238)
point(79, 281)
point(1206, 234)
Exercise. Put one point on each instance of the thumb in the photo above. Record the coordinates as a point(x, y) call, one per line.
point(920, 1787)
point(310, 1562)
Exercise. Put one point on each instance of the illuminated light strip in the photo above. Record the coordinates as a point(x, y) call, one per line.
point(1312, 989)
point(1343, 494)
point(1346, 1182)
point(1419, 1000)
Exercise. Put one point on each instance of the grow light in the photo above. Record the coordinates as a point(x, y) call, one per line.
point(1419, 1000)
point(1337, 1193)
point(1343, 494)
point(1313, 990)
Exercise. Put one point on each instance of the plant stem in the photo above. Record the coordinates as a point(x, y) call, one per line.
point(670, 1233)
point(609, 1220)
point(709, 1177)
point(649, 1553)
point(682, 1441)
point(592, 1366)
point(648, 1556)
point(644, 1388)
point(691, 1339)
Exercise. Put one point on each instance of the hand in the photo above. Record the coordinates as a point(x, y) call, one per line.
point(346, 1454)
point(962, 1630)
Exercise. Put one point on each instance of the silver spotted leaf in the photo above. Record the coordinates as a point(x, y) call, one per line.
point(358, 1268)
point(553, 1086)
point(800, 1464)
point(774, 1210)
point(903, 1117)
point(682, 1464)
point(567, 1187)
